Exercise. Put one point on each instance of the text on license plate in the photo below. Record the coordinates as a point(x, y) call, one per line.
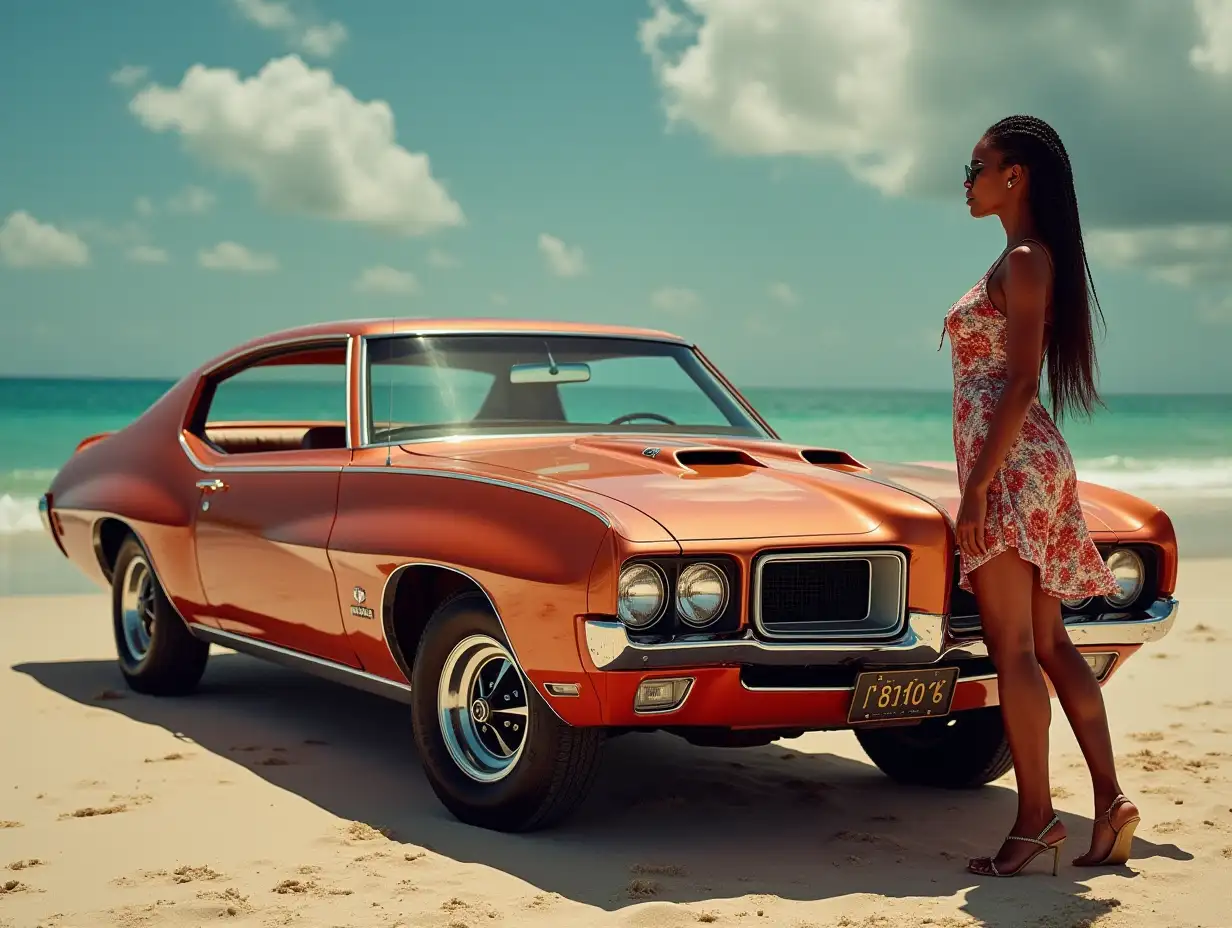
point(881, 695)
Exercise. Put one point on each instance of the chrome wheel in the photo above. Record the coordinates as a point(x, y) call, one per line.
point(137, 608)
point(482, 708)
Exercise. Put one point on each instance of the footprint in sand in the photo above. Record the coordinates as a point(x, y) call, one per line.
point(233, 902)
point(13, 886)
point(1147, 735)
point(175, 755)
point(8, 824)
point(306, 887)
point(25, 864)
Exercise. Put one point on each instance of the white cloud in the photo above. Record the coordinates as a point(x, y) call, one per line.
point(562, 260)
point(148, 254)
point(443, 259)
point(27, 243)
point(1214, 54)
point(1196, 253)
point(784, 294)
point(231, 256)
point(897, 92)
point(306, 143)
point(385, 279)
point(192, 200)
point(676, 300)
point(298, 31)
point(130, 75)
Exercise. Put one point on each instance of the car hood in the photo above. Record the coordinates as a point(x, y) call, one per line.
point(708, 489)
point(713, 488)
point(1105, 509)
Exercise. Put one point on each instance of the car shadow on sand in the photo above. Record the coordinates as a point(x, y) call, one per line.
point(665, 821)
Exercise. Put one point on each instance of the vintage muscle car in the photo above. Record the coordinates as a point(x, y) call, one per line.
point(541, 535)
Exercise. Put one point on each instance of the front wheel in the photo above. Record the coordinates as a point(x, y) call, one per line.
point(960, 751)
point(492, 749)
point(157, 653)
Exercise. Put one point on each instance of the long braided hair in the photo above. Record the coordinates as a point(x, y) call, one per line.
point(1072, 366)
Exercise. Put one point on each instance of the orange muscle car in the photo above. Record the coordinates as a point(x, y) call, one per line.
point(542, 535)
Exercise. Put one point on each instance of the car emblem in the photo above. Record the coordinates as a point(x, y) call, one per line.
point(359, 594)
point(650, 452)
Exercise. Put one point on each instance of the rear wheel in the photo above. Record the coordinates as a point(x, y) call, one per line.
point(157, 653)
point(494, 752)
point(960, 751)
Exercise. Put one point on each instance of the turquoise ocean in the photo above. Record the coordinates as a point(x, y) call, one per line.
point(1175, 450)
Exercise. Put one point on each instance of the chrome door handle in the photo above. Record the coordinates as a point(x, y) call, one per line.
point(210, 486)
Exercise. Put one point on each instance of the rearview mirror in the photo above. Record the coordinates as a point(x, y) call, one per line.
point(549, 373)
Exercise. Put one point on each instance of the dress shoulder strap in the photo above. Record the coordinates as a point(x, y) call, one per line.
point(1043, 248)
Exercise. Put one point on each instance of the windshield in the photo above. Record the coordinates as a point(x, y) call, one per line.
point(422, 387)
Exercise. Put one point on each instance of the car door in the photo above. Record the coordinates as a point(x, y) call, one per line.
point(270, 443)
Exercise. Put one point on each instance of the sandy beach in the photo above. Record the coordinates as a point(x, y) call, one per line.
point(272, 798)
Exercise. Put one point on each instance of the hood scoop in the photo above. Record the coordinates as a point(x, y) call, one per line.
point(829, 457)
point(693, 458)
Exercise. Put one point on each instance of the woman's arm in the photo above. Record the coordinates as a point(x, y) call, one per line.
point(1026, 288)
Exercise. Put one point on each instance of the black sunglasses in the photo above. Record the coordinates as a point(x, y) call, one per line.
point(973, 172)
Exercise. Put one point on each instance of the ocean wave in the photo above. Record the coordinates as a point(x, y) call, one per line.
point(1193, 478)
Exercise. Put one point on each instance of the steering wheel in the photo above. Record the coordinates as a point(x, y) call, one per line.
point(621, 420)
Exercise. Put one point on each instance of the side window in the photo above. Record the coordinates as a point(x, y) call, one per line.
point(403, 396)
point(653, 383)
point(290, 401)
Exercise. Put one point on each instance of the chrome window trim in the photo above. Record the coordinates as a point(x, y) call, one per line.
point(580, 433)
point(924, 641)
point(306, 341)
point(365, 399)
point(229, 468)
point(865, 554)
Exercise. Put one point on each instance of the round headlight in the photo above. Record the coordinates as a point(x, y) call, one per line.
point(701, 594)
point(1130, 574)
point(641, 595)
point(1075, 603)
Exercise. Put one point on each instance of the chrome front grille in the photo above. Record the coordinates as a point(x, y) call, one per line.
point(829, 595)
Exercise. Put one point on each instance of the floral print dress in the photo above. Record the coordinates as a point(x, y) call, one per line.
point(1033, 498)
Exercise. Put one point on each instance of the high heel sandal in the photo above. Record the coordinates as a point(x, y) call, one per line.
point(986, 866)
point(1122, 837)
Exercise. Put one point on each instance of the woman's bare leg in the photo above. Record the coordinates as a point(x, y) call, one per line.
point(1083, 704)
point(1003, 589)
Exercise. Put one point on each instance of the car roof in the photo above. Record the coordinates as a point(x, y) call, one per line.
point(414, 325)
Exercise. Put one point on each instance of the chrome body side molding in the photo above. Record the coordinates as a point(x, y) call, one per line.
point(296, 660)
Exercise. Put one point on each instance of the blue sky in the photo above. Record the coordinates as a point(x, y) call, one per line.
point(783, 185)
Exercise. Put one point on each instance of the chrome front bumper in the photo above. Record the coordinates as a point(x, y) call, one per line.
point(925, 641)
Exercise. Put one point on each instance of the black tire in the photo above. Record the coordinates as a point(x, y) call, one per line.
point(548, 775)
point(171, 661)
point(969, 753)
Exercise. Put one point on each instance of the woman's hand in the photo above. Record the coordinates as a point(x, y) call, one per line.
point(970, 523)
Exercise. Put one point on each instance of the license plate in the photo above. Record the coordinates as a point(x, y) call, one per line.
point(885, 695)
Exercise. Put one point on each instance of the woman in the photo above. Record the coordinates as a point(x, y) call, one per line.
point(1022, 538)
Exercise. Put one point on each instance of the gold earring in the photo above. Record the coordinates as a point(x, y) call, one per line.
point(1009, 183)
